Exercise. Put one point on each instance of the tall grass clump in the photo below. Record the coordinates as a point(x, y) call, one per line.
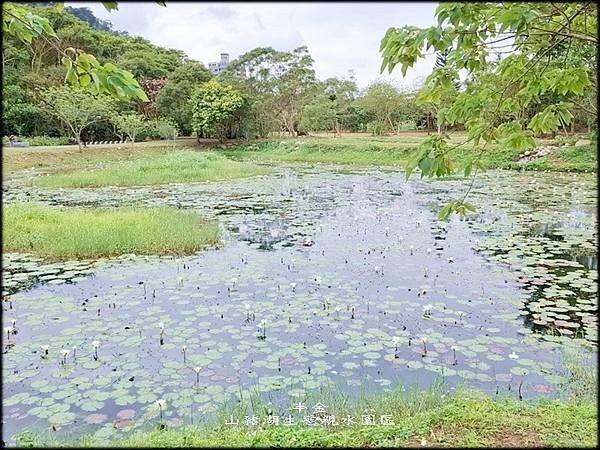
point(98, 232)
point(178, 166)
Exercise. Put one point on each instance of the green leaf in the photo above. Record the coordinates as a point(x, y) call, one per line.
point(110, 5)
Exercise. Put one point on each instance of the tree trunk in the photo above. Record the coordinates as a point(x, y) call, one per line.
point(79, 141)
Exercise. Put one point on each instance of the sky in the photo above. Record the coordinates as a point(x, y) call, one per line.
point(339, 36)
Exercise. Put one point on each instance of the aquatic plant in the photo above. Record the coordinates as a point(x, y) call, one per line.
point(96, 344)
point(65, 353)
point(183, 350)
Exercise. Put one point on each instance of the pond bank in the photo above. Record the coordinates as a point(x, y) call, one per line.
point(395, 151)
point(463, 419)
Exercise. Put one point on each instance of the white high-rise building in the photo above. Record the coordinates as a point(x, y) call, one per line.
point(217, 67)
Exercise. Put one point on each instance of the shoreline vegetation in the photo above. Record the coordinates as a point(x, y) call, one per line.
point(82, 233)
point(157, 162)
point(179, 166)
point(413, 418)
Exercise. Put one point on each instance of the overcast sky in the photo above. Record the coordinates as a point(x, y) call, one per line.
point(339, 36)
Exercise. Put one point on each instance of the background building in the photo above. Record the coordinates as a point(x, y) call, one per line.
point(217, 67)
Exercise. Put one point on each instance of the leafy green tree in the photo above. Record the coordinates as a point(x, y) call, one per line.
point(131, 124)
point(294, 86)
point(319, 115)
point(172, 100)
point(76, 108)
point(255, 74)
point(383, 101)
point(214, 107)
point(277, 85)
point(332, 107)
point(525, 49)
point(83, 69)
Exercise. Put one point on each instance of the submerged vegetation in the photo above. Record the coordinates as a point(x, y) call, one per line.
point(173, 167)
point(93, 233)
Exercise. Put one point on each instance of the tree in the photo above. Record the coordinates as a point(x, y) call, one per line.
point(331, 109)
point(130, 124)
point(83, 69)
point(276, 84)
point(214, 106)
point(527, 52)
point(382, 100)
point(172, 100)
point(319, 115)
point(294, 86)
point(76, 108)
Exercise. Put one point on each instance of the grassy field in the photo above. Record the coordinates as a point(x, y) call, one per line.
point(90, 233)
point(396, 150)
point(61, 158)
point(174, 167)
point(463, 419)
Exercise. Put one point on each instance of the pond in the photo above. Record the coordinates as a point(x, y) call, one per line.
point(327, 277)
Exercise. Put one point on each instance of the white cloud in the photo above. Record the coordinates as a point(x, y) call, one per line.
point(340, 36)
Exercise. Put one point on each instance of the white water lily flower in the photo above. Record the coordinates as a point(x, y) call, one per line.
point(65, 352)
point(234, 280)
point(161, 325)
point(13, 322)
point(184, 348)
point(513, 355)
point(197, 369)
point(453, 348)
point(376, 268)
point(424, 339)
point(96, 344)
point(318, 279)
point(45, 348)
point(160, 403)
point(247, 305)
point(9, 330)
point(428, 250)
point(293, 285)
point(396, 340)
point(450, 259)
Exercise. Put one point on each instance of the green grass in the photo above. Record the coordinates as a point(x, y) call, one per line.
point(396, 150)
point(173, 167)
point(463, 419)
point(90, 233)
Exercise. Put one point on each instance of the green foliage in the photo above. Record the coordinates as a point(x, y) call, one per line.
point(459, 207)
point(92, 233)
point(41, 140)
point(162, 128)
point(173, 99)
point(174, 167)
point(277, 86)
point(319, 114)
point(130, 124)
point(76, 108)
point(83, 69)
point(213, 106)
point(532, 90)
point(432, 417)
